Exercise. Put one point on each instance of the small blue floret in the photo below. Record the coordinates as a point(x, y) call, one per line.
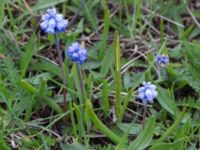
point(162, 60)
point(77, 53)
point(53, 22)
point(147, 93)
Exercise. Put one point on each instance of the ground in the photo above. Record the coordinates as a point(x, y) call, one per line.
point(123, 39)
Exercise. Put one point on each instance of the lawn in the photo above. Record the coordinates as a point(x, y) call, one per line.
point(99, 74)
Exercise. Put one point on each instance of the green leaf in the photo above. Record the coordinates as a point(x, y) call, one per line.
point(90, 16)
point(117, 75)
point(177, 145)
point(190, 102)
point(172, 128)
point(2, 6)
point(44, 143)
point(135, 128)
point(74, 146)
point(37, 78)
point(44, 5)
point(42, 87)
point(79, 117)
point(26, 57)
point(138, 78)
point(125, 105)
point(105, 30)
point(108, 61)
point(127, 80)
point(166, 100)
point(28, 87)
point(79, 28)
point(144, 138)
point(3, 144)
point(51, 103)
point(47, 66)
point(192, 64)
point(105, 103)
point(110, 134)
point(123, 143)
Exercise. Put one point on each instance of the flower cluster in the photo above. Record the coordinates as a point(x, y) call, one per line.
point(77, 53)
point(53, 22)
point(162, 60)
point(147, 92)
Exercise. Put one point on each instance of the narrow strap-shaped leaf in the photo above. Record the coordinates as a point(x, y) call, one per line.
point(110, 134)
point(105, 103)
point(173, 127)
point(51, 103)
point(105, 30)
point(118, 75)
point(144, 138)
point(2, 6)
point(26, 57)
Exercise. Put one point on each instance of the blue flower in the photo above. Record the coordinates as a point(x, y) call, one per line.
point(77, 53)
point(162, 59)
point(53, 22)
point(147, 92)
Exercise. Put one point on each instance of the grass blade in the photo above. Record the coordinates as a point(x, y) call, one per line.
point(166, 101)
point(51, 103)
point(105, 30)
point(124, 106)
point(144, 138)
point(2, 6)
point(110, 134)
point(173, 127)
point(106, 105)
point(26, 57)
point(118, 75)
point(80, 121)
point(107, 61)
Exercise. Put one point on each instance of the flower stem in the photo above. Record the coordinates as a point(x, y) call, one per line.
point(144, 116)
point(61, 63)
point(159, 71)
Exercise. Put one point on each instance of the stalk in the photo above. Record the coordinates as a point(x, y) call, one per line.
point(144, 115)
point(62, 72)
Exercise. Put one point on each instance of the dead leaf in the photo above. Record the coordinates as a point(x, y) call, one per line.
point(2, 56)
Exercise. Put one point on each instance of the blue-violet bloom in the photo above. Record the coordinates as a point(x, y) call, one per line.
point(147, 93)
point(162, 60)
point(77, 53)
point(53, 22)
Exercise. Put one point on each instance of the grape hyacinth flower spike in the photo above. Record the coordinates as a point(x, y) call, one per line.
point(147, 93)
point(162, 60)
point(77, 53)
point(53, 22)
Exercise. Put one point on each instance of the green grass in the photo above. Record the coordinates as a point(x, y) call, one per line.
point(123, 38)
